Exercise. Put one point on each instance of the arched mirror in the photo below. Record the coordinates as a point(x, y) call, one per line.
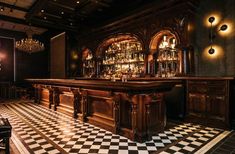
point(166, 57)
point(121, 54)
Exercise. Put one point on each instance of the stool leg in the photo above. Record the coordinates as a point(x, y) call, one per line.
point(7, 144)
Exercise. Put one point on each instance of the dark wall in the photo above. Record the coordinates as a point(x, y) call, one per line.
point(33, 65)
point(72, 56)
point(58, 56)
point(222, 63)
point(6, 59)
point(194, 33)
point(37, 65)
point(173, 17)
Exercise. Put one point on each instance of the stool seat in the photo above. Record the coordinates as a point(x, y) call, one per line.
point(5, 128)
point(5, 134)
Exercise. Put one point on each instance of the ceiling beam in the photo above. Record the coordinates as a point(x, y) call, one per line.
point(19, 21)
point(13, 7)
point(39, 23)
point(61, 6)
point(69, 9)
point(100, 3)
point(80, 6)
point(12, 19)
point(51, 15)
point(54, 25)
point(35, 8)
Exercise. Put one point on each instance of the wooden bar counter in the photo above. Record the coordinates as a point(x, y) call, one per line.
point(134, 109)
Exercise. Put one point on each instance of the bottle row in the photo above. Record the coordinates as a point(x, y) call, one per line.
point(127, 58)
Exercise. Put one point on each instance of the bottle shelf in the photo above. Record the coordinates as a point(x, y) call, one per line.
point(167, 59)
point(125, 63)
point(123, 57)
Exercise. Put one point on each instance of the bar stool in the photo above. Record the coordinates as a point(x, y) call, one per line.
point(5, 134)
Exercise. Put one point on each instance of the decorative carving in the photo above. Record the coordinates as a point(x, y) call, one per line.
point(50, 96)
point(56, 97)
point(148, 118)
point(116, 111)
point(134, 119)
point(76, 100)
point(84, 105)
point(37, 92)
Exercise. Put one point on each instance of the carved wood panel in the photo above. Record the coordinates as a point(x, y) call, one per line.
point(145, 26)
point(45, 95)
point(100, 106)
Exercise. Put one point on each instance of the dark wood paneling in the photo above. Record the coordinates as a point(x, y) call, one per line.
point(66, 99)
point(100, 106)
point(208, 102)
point(134, 111)
point(66, 105)
point(7, 58)
point(45, 99)
point(33, 65)
point(125, 120)
point(57, 56)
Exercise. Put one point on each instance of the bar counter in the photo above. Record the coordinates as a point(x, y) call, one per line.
point(134, 109)
point(137, 108)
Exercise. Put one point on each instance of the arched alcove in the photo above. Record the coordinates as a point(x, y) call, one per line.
point(165, 57)
point(158, 38)
point(120, 54)
point(121, 37)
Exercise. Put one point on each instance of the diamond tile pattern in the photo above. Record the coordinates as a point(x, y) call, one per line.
point(44, 131)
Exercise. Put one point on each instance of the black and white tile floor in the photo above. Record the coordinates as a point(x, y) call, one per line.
point(39, 130)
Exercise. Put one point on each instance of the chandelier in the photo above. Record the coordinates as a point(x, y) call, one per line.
point(29, 44)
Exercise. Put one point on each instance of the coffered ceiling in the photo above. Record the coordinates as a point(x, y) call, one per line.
point(72, 15)
point(65, 14)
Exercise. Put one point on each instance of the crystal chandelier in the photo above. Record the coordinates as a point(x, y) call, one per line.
point(29, 44)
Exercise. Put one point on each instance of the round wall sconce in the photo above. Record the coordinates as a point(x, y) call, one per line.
point(223, 27)
point(211, 50)
point(211, 19)
point(212, 34)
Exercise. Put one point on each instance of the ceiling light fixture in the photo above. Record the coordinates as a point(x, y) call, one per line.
point(78, 2)
point(62, 12)
point(42, 10)
point(45, 17)
point(29, 44)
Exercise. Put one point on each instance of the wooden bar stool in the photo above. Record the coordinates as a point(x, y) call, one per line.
point(5, 134)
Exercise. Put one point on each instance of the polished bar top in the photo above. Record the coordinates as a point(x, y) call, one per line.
point(137, 84)
point(169, 78)
point(107, 84)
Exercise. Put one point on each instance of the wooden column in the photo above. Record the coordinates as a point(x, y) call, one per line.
point(76, 100)
point(83, 106)
point(116, 111)
point(56, 97)
point(37, 93)
point(144, 118)
point(50, 96)
point(148, 119)
point(134, 119)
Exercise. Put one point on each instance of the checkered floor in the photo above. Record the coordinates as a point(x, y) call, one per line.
point(44, 131)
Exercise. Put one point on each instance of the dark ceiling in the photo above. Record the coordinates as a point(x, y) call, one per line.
point(72, 15)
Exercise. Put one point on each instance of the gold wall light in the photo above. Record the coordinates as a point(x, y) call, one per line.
point(212, 33)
